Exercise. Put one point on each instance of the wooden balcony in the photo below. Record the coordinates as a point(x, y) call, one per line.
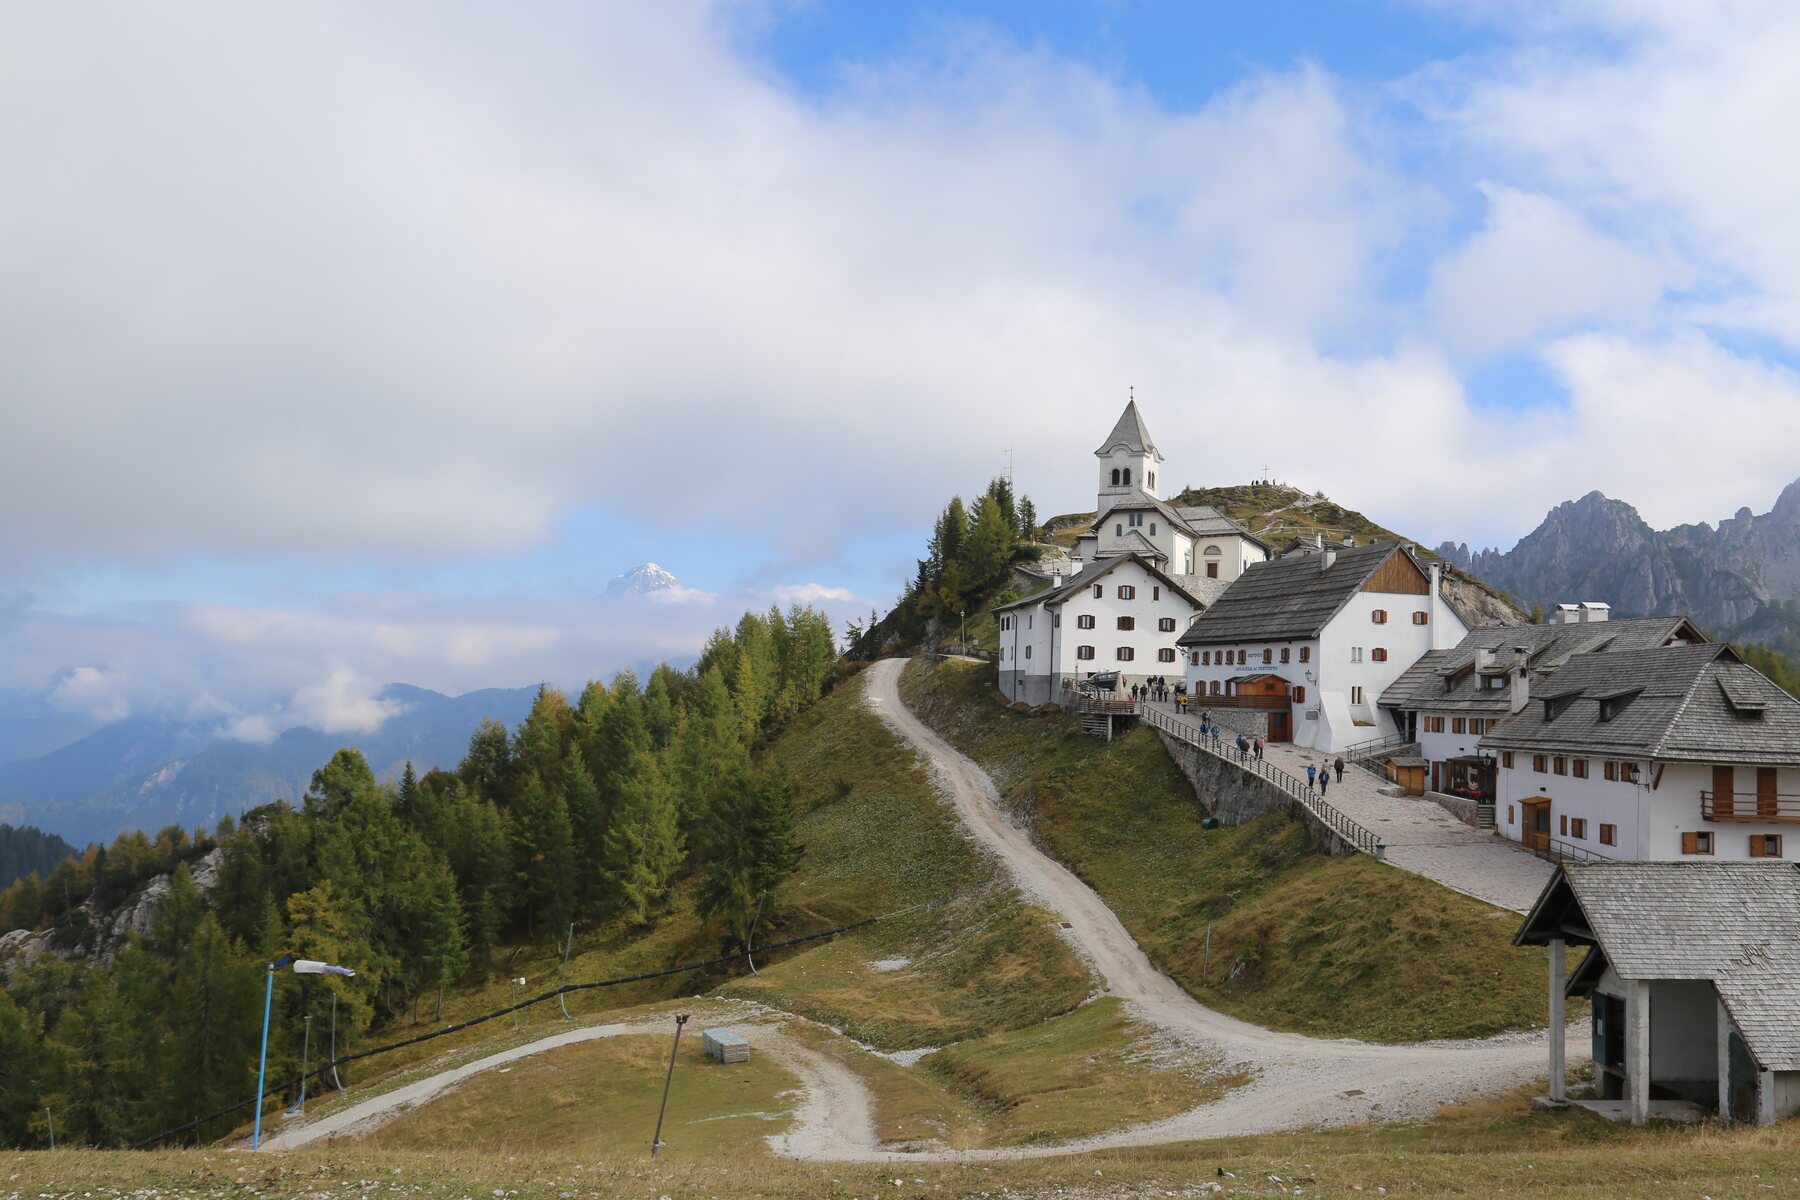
point(1764, 807)
point(1201, 703)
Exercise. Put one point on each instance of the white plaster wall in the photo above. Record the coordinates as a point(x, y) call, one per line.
point(1651, 815)
point(1053, 646)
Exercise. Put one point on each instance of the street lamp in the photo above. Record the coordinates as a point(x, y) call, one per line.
point(301, 966)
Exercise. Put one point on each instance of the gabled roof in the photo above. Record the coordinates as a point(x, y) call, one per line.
point(1286, 599)
point(1681, 703)
point(1129, 432)
point(1449, 680)
point(1137, 543)
point(1203, 520)
point(1100, 570)
point(1734, 924)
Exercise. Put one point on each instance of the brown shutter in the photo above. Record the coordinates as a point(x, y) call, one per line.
point(1765, 792)
point(1756, 845)
point(1690, 843)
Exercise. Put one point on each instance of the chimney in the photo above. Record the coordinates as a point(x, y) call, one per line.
point(1319, 541)
point(1435, 605)
point(1056, 576)
point(1521, 680)
point(1326, 558)
point(1484, 658)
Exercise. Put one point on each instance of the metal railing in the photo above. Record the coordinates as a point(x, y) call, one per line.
point(1241, 701)
point(1358, 751)
point(1348, 831)
point(1779, 807)
point(1561, 850)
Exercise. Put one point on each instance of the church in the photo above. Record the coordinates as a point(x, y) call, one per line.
point(1136, 580)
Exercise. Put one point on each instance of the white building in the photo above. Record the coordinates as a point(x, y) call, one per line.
point(1450, 698)
point(1337, 625)
point(1121, 614)
point(1140, 575)
point(1694, 972)
point(1679, 752)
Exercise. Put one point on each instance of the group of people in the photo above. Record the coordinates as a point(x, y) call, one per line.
point(1157, 688)
point(1319, 778)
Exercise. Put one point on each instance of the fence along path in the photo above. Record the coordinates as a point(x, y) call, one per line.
point(1187, 731)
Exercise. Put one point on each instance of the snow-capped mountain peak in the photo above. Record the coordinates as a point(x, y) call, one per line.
point(642, 580)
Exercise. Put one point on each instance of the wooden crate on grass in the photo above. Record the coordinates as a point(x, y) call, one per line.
point(726, 1045)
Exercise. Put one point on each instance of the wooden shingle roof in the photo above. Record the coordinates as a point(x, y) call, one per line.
point(1288, 599)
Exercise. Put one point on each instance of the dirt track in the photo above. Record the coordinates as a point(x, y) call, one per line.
point(1299, 1082)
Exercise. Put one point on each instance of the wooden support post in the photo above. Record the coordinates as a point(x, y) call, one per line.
point(1723, 1051)
point(1559, 1075)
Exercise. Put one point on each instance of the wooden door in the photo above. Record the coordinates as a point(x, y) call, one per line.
point(1537, 823)
point(1281, 726)
point(1765, 792)
point(1724, 779)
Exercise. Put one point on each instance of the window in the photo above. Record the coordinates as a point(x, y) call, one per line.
point(1563, 828)
point(1609, 834)
point(1284, 654)
point(1628, 772)
point(1165, 655)
point(1027, 651)
point(1578, 828)
point(1153, 529)
point(1765, 845)
point(1005, 623)
point(1166, 625)
point(1356, 695)
point(1155, 592)
point(1578, 768)
point(1421, 618)
point(1356, 654)
point(1126, 476)
point(1537, 763)
point(1084, 652)
point(1127, 592)
point(1084, 621)
point(1299, 694)
point(1118, 529)
point(1268, 656)
point(1153, 481)
point(1215, 687)
point(1099, 591)
point(1559, 765)
point(1126, 654)
point(1204, 658)
point(1030, 620)
point(1056, 620)
point(1700, 842)
point(1378, 654)
point(1457, 725)
point(1506, 758)
point(1379, 616)
point(1434, 724)
point(1610, 770)
point(1127, 623)
point(1194, 658)
point(1212, 570)
point(1509, 814)
point(1305, 653)
point(1115, 477)
point(1240, 658)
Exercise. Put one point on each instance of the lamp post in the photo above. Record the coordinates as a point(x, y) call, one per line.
point(301, 966)
point(964, 614)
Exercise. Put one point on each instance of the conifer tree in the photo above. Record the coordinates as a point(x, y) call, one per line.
point(1028, 520)
point(748, 850)
point(587, 828)
point(488, 767)
point(22, 1064)
point(659, 708)
point(543, 858)
point(992, 540)
point(585, 722)
point(538, 749)
point(643, 841)
point(209, 1028)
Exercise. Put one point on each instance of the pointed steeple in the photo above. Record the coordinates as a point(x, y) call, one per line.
point(1130, 433)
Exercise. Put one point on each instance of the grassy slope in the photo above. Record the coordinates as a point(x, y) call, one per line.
point(1495, 1148)
point(1329, 946)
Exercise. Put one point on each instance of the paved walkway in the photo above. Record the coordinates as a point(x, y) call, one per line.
point(1422, 837)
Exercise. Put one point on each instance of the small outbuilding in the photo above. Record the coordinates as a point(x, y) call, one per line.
point(1694, 973)
point(1409, 773)
point(725, 1045)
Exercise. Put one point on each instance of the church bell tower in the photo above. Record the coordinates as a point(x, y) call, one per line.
point(1129, 462)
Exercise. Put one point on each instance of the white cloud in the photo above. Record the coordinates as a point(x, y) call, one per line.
point(1536, 266)
point(94, 693)
point(679, 594)
point(814, 593)
point(342, 702)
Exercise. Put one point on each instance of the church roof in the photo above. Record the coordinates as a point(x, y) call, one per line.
point(1129, 432)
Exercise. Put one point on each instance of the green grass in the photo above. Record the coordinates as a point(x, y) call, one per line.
point(878, 840)
point(1092, 1070)
point(1328, 946)
point(1495, 1148)
point(587, 1099)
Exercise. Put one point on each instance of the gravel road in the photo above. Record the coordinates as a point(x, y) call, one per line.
point(1298, 1082)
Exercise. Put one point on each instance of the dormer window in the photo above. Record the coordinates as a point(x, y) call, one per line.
point(1554, 707)
point(1615, 702)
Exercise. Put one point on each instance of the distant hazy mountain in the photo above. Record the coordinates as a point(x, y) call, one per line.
point(145, 774)
point(1740, 580)
point(642, 580)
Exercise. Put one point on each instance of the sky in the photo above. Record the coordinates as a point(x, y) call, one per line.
point(343, 344)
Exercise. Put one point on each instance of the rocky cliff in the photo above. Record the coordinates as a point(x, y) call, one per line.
point(1740, 579)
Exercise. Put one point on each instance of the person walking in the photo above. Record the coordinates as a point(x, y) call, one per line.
point(1339, 764)
point(1324, 781)
point(1312, 776)
point(1259, 747)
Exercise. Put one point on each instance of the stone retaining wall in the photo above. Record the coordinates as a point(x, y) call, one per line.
point(1237, 797)
point(1251, 722)
point(1462, 809)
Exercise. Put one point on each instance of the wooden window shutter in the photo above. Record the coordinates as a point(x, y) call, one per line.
point(1565, 825)
point(1765, 792)
point(1756, 845)
point(1690, 843)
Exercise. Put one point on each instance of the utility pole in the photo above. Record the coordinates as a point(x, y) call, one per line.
point(50, 1121)
point(750, 941)
point(964, 614)
point(562, 980)
point(656, 1142)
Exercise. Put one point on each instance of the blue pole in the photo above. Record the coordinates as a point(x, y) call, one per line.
point(262, 1064)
